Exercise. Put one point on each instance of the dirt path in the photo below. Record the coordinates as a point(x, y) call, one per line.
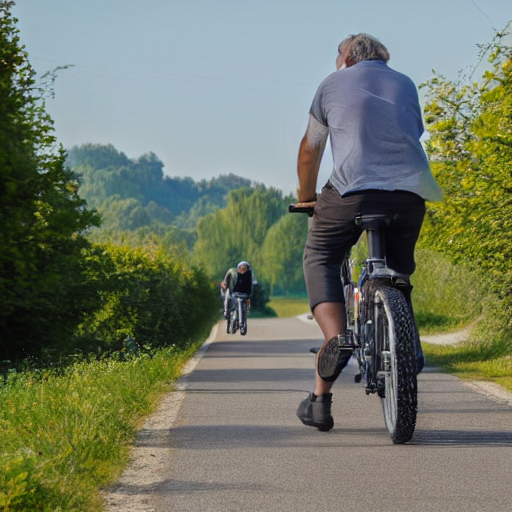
point(450, 338)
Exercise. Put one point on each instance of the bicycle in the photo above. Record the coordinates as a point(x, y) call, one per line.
point(237, 318)
point(381, 329)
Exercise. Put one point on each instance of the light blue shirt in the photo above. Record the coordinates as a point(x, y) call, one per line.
point(374, 120)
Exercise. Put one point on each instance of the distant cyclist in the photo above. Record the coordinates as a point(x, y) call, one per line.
point(372, 116)
point(237, 280)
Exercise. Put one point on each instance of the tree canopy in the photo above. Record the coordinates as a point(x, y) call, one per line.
point(42, 217)
point(107, 174)
point(254, 227)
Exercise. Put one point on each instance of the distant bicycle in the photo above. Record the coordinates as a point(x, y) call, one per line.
point(381, 329)
point(237, 318)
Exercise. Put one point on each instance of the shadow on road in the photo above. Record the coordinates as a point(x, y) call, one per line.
point(462, 438)
point(229, 437)
point(242, 348)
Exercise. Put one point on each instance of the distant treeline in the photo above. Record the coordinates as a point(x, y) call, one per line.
point(217, 222)
point(133, 193)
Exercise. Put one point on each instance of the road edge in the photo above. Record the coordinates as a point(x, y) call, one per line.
point(150, 452)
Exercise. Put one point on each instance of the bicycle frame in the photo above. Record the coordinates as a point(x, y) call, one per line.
point(374, 267)
point(239, 312)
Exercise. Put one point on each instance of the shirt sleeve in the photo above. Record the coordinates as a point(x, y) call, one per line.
point(316, 132)
point(317, 109)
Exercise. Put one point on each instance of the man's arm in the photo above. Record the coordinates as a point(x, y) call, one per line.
point(226, 282)
point(310, 155)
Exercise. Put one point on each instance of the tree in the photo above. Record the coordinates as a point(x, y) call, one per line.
point(282, 253)
point(42, 218)
point(97, 156)
point(238, 231)
point(471, 147)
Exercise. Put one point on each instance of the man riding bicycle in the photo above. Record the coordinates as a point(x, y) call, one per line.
point(373, 118)
point(236, 281)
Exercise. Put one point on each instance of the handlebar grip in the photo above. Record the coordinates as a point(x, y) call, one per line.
point(308, 208)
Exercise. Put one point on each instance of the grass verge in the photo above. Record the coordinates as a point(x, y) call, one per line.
point(445, 297)
point(487, 355)
point(66, 433)
point(289, 306)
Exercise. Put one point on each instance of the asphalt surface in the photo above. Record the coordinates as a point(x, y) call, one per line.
point(235, 443)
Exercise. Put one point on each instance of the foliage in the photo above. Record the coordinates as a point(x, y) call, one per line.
point(150, 296)
point(260, 298)
point(438, 302)
point(470, 144)
point(131, 193)
point(171, 237)
point(238, 231)
point(42, 218)
point(203, 206)
point(282, 254)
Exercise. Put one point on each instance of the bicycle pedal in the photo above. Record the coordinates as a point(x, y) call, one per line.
point(346, 340)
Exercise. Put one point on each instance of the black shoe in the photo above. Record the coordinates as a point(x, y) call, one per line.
point(315, 411)
point(334, 355)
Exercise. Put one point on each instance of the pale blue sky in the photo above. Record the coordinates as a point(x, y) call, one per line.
point(220, 86)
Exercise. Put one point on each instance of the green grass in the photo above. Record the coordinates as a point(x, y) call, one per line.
point(470, 362)
point(445, 297)
point(67, 433)
point(487, 355)
point(286, 307)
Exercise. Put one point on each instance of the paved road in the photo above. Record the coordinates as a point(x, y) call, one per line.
point(236, 444)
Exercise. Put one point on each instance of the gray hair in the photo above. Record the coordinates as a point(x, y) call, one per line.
point(361, 47)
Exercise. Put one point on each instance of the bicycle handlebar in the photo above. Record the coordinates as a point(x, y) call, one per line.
point(308, 208)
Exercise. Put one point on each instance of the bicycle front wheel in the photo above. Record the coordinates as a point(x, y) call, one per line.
point(397, 386)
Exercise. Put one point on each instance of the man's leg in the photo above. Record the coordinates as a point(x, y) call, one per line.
point(227, 304)
point(315, 410)
point(330, 317)
point(332, 233)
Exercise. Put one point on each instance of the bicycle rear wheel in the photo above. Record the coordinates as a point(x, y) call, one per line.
point(394, 332)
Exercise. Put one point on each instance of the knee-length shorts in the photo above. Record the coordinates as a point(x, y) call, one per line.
point(333, 232)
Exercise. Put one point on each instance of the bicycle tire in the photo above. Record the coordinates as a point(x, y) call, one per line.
point(233, 317)
point(395, 361)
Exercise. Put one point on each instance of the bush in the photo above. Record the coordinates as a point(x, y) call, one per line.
point(149, 297)
point(259, 300)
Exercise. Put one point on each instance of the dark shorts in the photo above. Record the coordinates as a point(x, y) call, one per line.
point(333, 232)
